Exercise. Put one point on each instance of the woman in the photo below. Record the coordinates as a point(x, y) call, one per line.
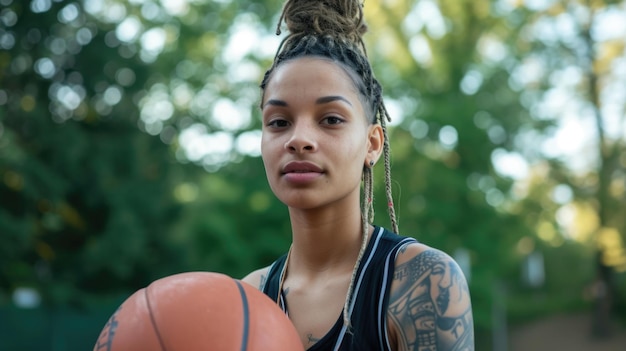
point(345, 284)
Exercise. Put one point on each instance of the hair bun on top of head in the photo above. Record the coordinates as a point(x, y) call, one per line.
point(324, 17)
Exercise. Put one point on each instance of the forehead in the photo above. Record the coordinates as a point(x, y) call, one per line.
point(310, 74)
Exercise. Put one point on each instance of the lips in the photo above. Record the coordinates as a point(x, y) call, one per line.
point(301, 167)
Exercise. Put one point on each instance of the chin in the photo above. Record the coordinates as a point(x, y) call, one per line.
point(301, 201)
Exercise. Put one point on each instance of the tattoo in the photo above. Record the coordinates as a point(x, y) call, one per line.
point(286, 291)
point(312, 339)
point(105, 340)
point(403, 248)
point(431, 304)
point(263, 281)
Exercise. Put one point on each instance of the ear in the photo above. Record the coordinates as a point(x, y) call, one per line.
point(375, 142)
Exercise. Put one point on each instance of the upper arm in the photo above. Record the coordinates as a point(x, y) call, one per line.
point(429, 305)
point(257, 278)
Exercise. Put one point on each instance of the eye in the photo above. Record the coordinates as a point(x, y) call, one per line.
point(333, 120)
point(277, 123)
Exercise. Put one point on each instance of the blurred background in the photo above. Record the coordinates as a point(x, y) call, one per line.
point(129, 150)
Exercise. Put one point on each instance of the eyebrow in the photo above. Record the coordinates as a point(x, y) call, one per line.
point(322, 100)
point(275, 102)
point(327, 99)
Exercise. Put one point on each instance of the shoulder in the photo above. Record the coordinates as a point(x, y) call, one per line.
point(257, 278)
point(429, 304)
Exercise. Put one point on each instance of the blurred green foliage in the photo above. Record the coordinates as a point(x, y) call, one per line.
point(129, 147)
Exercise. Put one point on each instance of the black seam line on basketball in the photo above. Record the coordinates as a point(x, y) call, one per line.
point(154, 325)
point(246, 316)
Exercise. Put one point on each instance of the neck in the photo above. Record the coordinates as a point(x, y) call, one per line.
point(325, 240)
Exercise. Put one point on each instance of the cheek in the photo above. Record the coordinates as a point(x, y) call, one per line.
point(268, 165)
point(354, 150)
point(266, 154)
point(268, 162)
point(267, 145)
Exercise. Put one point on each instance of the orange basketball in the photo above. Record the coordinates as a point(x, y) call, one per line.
point(198, 311)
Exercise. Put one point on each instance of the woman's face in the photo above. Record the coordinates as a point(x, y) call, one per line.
point(315, 138)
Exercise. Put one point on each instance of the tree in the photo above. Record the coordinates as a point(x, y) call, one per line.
point(86, 197)
point(571, 74)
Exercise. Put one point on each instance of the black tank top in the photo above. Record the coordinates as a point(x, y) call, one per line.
point(368, 310)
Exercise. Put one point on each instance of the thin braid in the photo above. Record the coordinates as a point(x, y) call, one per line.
point(368, 189)
point(281, 19)
point(283, 273)
point(365, 220)
point(384, 117)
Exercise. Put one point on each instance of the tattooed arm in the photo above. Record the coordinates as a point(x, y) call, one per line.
point(429, 305)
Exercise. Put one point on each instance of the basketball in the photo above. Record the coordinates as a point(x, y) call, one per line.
point(198, 311)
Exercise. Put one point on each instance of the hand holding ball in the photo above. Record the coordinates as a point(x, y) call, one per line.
point(198, 311)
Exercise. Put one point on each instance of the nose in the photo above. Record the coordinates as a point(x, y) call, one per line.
point(302, 139)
